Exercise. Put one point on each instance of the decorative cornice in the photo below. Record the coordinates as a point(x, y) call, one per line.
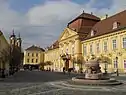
point(104, 36)
point(119, 53)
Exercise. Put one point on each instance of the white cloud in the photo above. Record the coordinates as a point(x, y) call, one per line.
point(53, 12)
point(43, 23)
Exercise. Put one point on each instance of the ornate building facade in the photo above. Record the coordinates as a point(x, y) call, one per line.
point(88, 35)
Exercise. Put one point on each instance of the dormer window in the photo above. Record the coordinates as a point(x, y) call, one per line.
point(116, 25)
point(92, 32)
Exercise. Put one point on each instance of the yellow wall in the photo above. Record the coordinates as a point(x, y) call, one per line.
point(33, 56)
point(54, 57)
point(67, 41)
point(4, 45)
point(119, 52)
point(70, 39)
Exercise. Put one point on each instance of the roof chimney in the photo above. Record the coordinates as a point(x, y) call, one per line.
point(91, 13)
point(83, 11)
point(106, 15)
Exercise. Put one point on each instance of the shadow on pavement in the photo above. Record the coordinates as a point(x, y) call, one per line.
point(37, 76)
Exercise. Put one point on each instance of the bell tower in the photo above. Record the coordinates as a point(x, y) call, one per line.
point(12, 39)
point(18, 41)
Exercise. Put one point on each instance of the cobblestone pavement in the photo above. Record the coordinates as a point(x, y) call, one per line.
point(58, 87)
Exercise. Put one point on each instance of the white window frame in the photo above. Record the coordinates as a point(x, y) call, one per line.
point(91, 48)
point(92, 32)
point(124, 42)
point(114, 44)
point(105, 46)
point(97, 48)
point(115, 25)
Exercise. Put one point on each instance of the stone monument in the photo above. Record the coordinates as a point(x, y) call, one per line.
point(94, 75)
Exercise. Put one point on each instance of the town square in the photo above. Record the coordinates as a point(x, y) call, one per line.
point(62, 47)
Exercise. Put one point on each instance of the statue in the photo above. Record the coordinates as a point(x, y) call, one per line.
point(93, 70)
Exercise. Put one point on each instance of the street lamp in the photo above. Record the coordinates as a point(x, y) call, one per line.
point(117, 72)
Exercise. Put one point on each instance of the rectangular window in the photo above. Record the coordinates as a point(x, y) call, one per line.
point(85, 50)
point(32, 54)
point(32, 60)
point(36, 60)
point(115, 63)
point(28, 54)
point(124, 42)
point(114, 44)
point(36, 54)
point(97, 47)
point(125, 63)
point(28, 60)
point(91, 51)
point(105, 46)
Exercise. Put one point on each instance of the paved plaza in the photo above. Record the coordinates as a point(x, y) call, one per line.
point(50, 83)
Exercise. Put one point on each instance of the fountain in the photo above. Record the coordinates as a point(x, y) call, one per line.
point(94, 76)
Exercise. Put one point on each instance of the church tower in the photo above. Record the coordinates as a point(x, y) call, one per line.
point(13, 39)
point(18, 41)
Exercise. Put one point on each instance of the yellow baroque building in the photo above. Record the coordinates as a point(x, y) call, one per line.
point(33, 56)
point(88, 35)
point(53, 55)
point(4, 62)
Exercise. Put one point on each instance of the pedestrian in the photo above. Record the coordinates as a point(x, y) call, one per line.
point(63, 70)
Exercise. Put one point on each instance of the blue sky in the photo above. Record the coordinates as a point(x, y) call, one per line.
point(25, 5)
point(41, 22)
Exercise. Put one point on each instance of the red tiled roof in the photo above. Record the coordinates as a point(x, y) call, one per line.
point(106, 26)
point(54, 45)
point(86, 16)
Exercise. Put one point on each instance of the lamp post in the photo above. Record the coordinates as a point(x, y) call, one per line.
point(117, 72)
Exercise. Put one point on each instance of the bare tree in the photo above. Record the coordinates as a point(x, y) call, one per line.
point(104, 60)
point(48, 63)
point(41, 65)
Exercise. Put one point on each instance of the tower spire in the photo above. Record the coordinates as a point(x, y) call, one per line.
point(13, 31)
point(83, 11)
point(19, 35)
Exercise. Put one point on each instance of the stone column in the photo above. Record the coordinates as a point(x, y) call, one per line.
point(78, 48)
